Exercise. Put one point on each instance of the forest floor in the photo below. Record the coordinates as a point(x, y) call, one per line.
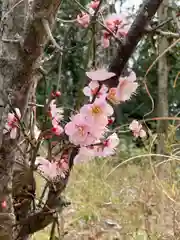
point(135, 201)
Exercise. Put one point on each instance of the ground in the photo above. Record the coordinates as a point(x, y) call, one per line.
point(139, 200)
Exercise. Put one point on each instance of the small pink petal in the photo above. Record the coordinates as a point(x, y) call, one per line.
point(100, 75)
point(94, 84)
point(57, 130)
point(142, 133)
point(87, 91)
point(83, 19)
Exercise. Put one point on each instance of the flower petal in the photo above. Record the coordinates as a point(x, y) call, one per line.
point(13, 133)
point(100, 75)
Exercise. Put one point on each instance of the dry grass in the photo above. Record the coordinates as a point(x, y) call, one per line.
point(138, 201)
point(129, 204)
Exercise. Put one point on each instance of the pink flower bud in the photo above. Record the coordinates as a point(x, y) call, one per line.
point(58, 93)
point(4, 204)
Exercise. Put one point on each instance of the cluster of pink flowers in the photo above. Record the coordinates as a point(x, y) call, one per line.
point(88, 129)
point(84, 18)
point(137, 129)
point(116, 24)
point(52, 170)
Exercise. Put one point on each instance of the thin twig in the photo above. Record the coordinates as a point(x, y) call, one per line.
point(49, 33)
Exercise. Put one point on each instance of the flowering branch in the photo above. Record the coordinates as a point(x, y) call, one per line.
point(86, 135)
point(135, 34)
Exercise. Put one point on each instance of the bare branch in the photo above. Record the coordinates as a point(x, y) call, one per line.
point(49, 33)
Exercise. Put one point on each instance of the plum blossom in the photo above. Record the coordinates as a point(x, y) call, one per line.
point(92, 89)
point(137, 129)
point(56, 117)
point(118, 25)
point(11, 125)
point(108, 146)
point(126, 87)
point(100, 75)
point(83, 19)
point(4, 204)
point(112, 97)
point(54, 111)
point(57, 129)
point(99, 111)
point(51, 170)
point(81, 132)
point(94, 4)
point(53, 108)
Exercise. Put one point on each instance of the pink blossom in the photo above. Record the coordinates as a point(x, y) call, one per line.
point(12, 123)
point(92, 88)
point(81, 131)
point(4, 204)
point(112, 96)
point(53, 108)
point(126, 87)
point(115, 21)
point(57, 130)
point(94, 4)
point(54, 111)
point(108, 146)
point(137, 130)
point(50, 170)
point(56, 117)
point(83, 19)
point(118, 25)
point(98, 111)
point(100, 75)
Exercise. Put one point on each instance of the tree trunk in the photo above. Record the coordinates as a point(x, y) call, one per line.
point(162, 106)
point(23, 37)
point(11, 30)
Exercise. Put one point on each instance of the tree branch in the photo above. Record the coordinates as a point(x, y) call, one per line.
point(135, 34)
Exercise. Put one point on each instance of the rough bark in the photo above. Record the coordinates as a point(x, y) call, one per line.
point(9, 63)
point(20, 49)
point(163, 70)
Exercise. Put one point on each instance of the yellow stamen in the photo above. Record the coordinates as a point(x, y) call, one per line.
point(96, 110)
point(81, 131)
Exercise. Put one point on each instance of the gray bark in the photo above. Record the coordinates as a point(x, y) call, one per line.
point(21, 45)
point(11, 30)
point(162, 106)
